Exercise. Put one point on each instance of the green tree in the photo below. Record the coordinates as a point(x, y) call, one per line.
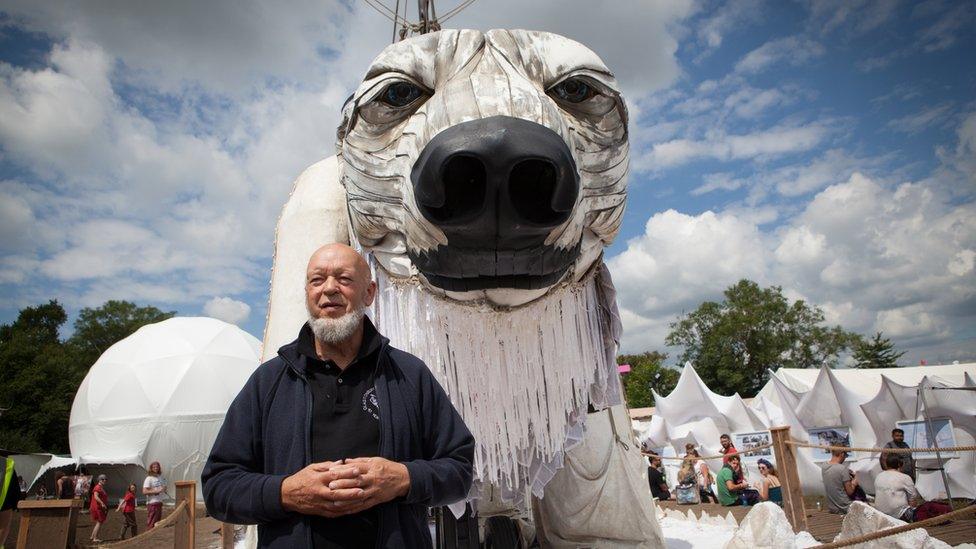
point(40, 373)
point(877, 352)
point(98, 329)
point(734, 344)
point(647, 371)
point(39, 376)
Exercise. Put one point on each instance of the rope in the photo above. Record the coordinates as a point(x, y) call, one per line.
point(177, 511)
point(752, 450)
point(456, 10)
point(885, 450)
point(386, 11)
point(900, 529)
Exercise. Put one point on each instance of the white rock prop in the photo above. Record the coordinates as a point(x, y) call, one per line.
point(765, 527)
point(716, 520)
point(730, 520)
point(863, 519)
point(805, 539)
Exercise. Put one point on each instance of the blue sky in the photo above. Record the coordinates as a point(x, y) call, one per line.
point(146, 149)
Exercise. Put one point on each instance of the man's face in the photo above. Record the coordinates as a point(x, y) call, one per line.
point(725, 442)
point(898, 437)
point(734, 463)
point(337, 283)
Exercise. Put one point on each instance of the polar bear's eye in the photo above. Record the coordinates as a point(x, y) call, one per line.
point(400, 94)
point(574, 90)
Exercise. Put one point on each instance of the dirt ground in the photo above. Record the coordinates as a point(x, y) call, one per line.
point(207, 530)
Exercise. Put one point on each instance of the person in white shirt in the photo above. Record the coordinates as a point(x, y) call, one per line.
point(154, 487)
point(895, 494)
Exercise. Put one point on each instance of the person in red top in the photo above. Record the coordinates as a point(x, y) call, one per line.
point(98, 507)
point(128, 508)
point(727, 448)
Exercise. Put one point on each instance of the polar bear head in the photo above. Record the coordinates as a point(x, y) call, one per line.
point(488, 167)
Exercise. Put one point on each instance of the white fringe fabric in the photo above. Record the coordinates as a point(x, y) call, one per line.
point(521, 378)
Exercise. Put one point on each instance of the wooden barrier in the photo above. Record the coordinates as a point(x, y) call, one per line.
point(185, 528)
point(789, 478)
point(47, 523)
point(226, 535)
point(140, 540)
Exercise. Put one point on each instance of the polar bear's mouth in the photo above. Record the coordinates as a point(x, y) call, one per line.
point(459, 269)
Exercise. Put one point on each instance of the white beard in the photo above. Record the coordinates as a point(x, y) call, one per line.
point(336, 330)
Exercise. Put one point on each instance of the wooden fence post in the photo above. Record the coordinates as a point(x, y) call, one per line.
point(185, 529)
point(789, 478)
point(226, 535)
point(47, 523)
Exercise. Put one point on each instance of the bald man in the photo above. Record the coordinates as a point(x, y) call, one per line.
point(341, 440)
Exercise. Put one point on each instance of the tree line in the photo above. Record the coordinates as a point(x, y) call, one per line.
point(735, 343)
point(40, 371)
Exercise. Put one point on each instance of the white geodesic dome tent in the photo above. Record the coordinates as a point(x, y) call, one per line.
point(160, 395)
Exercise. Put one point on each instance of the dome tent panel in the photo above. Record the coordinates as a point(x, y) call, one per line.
point(161, 395)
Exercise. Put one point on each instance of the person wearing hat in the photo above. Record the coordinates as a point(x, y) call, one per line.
point(840, 483)
point(98, 507)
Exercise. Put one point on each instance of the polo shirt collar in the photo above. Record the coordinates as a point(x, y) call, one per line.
point(372, 341)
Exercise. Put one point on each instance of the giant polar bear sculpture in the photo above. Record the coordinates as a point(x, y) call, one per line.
point(484, 173)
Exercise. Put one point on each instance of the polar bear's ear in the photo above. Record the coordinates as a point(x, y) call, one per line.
point(314, 215)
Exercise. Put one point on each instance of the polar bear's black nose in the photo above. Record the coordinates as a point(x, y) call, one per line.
point(498, 182)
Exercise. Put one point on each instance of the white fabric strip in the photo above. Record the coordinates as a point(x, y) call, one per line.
point(520, 378)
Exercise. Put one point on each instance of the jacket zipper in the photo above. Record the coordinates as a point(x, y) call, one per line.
point(383, 451)
point(308, 438)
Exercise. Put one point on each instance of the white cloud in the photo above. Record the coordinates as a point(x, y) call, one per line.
point(921, 120)
point(749, 102)
point(951, 20)
point(775, 141)
point(730, 16)
point(682, 259)
point(892, 258)
point(162, 139)
point(227, 309)
point(794, 179)
point(795, 50)
point(718, 182)
point(855, 17)
point(226, 46)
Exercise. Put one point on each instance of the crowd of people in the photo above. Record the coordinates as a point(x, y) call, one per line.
point(95, 498)
point(695, 479)
point(895, 491)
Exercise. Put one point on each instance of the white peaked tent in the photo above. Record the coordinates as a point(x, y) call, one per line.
point(160, 395)
point(869, 402)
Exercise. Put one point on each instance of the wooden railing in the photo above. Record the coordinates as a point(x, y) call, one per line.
point(50, 524)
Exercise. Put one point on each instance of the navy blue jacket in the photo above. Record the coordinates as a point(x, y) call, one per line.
point(266, 436)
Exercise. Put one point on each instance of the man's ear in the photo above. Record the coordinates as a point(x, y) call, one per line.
point(370, 293)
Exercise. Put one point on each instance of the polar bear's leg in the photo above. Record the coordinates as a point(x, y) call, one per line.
point(314, 215)
point(600, 498)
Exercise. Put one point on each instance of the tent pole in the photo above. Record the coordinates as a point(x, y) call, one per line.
point(935, 443)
